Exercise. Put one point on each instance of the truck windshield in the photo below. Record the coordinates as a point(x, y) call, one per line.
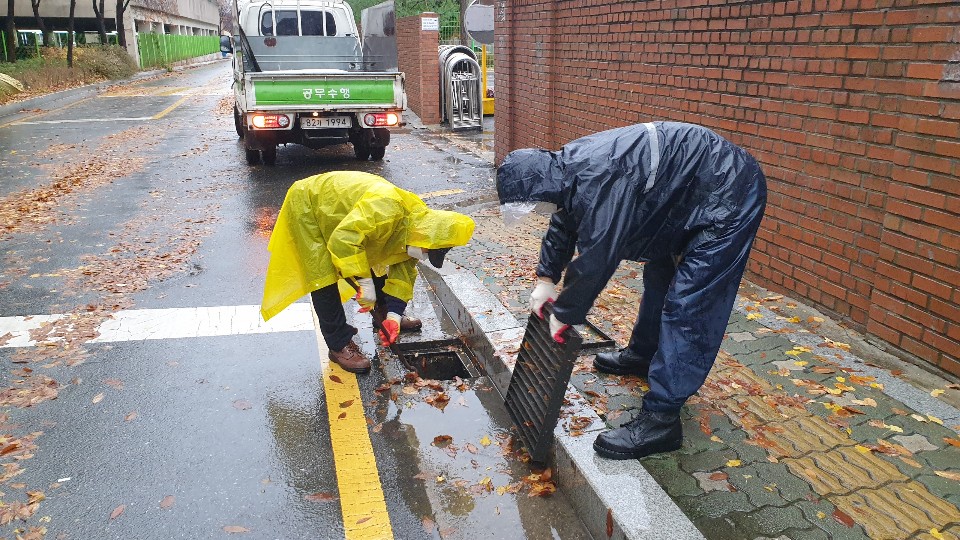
point(313, 23)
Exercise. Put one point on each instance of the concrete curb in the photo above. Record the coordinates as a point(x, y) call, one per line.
point(614, 499)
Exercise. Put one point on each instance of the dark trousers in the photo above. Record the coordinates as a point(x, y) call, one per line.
point(685, 306)
point(336, 331)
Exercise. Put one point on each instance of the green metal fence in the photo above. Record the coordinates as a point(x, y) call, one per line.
point(165, 49)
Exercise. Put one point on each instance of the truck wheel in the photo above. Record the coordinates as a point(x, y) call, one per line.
point(253, 156)
point(270, 155)
point(377, 152)
point(361, 151)
point(237, 121)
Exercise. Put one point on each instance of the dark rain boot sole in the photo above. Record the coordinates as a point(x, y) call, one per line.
point(659, 448)
point(622, 370)
point(359, 371)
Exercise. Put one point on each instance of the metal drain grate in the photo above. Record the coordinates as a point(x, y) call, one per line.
point(539, 381)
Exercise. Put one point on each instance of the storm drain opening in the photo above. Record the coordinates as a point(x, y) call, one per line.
point(442, 361)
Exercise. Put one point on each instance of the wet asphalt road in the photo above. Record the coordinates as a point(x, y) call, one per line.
point(140, 198)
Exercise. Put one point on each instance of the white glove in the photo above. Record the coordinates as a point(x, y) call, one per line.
point(544, 292)
point(367, 295)
point(557, 329)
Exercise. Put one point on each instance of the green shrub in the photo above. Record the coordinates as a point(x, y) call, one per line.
point(107, 61)
point(49, 73)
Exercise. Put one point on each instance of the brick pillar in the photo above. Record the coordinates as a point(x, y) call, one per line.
point(419, 62)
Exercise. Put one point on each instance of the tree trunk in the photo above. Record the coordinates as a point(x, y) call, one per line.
point(73, 9)
point(101, 26)
point(40, 25)
point(464, 36)
point(11, 33)
point(121, 32)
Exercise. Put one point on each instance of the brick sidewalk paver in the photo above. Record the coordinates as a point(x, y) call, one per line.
point(784, 440)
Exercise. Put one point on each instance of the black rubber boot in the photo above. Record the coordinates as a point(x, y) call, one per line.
point(648, 433)
point(622, 362)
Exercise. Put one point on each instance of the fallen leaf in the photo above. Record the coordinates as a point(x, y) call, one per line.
point(937, 392)
point(734, 463)
point(130, 416)
point(242, 405)
point(235, 529)
point(471, 448)
point(364, 519)
point(843, 518)
point(913, 463)
point(320, 497)
point(98, 398)
point(952, 442)
point(167, 501)
point(346, 404)
point(341, 416)
point(115, 383)
point(35, 497)
point(934, 532)
point(335, 379)
point(948, 474)
point(442, 440)
point(485, 441)
point(117, 511)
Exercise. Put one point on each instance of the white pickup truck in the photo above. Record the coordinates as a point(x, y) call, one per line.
point(300, 76)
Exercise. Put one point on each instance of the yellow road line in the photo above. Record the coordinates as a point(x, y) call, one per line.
point(166, 91)
point(441, 193)
point(44, 113)
point(166, 111)
point(362, 503)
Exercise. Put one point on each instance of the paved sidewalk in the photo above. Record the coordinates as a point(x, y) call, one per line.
point(792, 436)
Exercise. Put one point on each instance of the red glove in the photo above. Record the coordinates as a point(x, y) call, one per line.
point(390, 329)
point(557, 329)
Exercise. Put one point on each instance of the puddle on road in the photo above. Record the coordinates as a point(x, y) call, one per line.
point(448, 448)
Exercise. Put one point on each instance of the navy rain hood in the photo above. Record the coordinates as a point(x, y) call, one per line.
point(611, 208)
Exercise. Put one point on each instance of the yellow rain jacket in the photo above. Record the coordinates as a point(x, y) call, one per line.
point(343, 225)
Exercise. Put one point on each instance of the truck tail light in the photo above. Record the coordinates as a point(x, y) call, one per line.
point(271, 121)
point(381, 119)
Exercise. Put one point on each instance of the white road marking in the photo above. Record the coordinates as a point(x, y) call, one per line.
point(171, 323)
point(82, 121)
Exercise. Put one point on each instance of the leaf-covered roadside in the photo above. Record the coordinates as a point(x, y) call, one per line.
point(157, 244)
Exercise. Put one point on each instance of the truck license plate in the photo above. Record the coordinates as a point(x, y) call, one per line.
point(320, 122)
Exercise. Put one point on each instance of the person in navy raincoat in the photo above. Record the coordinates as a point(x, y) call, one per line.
point(676, 196)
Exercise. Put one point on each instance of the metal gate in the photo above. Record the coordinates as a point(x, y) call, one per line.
point(461, 98)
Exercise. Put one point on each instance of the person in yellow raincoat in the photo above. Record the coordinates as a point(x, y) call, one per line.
point(343, 233)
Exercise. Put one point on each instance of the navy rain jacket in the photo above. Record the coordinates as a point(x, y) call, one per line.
point(610, 207)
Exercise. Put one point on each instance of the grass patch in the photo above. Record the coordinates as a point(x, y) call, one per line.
point(49, 72)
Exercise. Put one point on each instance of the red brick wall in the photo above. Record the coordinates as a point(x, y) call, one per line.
point(419, 60)
point(851, 106)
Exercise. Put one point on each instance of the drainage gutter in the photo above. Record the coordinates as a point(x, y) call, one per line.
point(614, 499)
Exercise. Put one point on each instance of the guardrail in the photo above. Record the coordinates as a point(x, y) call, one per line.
point(165, 49)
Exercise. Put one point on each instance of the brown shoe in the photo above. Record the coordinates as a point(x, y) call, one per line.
point(407, 324)
point(351, 359)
